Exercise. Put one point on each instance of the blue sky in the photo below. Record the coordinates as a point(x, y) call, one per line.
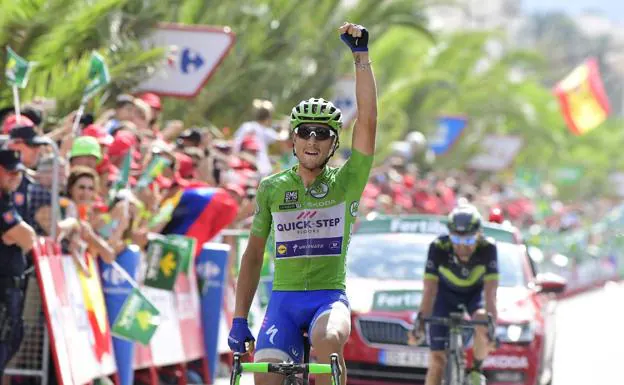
point(612, 8)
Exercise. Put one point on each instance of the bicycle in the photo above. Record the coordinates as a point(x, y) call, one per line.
point(289, 370)
point(455, 371)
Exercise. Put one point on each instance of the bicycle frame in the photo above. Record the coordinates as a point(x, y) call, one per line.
point(289, 370)
point(455, 370)
point(455, 365)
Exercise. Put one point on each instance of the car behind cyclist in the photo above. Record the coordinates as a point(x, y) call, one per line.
point(310, 210)
point(461, 269)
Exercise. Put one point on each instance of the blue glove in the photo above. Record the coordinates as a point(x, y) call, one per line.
point(239, 334)
point(357, 44)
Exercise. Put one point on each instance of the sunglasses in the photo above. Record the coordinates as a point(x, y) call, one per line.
point(320, 132)
point(467, 240)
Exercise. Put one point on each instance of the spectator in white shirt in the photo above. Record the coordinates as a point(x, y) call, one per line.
point(264, 134)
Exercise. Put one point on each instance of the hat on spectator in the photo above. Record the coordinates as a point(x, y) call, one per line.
point(124, 99)
point(99, 133)
point(25, 130)
point(152, 100)
point(191, 134)
point(86, 146)
point(11, 160)
point(31, 112)
point(123, 141)
point(12, 121)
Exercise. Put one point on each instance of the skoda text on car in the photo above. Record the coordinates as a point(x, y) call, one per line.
point(386, 261)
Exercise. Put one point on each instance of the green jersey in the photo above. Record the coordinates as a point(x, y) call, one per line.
point(311, 226)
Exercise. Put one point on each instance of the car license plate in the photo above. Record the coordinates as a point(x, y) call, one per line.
point(417, 358)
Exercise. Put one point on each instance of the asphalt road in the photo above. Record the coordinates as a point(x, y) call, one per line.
point(589, 348)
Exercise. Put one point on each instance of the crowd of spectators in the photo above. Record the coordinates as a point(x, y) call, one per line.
point(95, 214)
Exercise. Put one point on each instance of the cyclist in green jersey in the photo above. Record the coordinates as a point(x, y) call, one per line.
point(310, 209)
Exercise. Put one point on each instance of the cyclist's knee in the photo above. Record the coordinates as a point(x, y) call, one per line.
point(437, 360)
point(329, 340)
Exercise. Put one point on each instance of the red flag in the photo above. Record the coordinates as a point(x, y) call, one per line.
point(584, 103)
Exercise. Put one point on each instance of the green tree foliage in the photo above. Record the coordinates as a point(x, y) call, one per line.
point(59, 36)
point(286, 51)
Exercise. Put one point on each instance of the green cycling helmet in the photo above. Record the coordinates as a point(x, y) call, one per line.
point(86, 146)
point(316, 111)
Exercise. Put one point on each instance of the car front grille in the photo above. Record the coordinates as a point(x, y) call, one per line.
point(385, 331)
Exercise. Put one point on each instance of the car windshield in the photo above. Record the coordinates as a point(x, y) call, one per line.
point(403, 257)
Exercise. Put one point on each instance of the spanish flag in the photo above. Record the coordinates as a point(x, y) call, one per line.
point(582, 98)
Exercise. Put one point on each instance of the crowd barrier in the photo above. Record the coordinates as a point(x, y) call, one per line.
point(97, 327)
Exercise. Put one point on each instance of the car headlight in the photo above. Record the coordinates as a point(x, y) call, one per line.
point(516, 333)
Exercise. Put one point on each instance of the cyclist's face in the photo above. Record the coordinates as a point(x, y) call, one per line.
point(313, 143)
point(464, 245)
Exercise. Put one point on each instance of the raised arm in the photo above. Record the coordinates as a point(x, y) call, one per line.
point(356, 37)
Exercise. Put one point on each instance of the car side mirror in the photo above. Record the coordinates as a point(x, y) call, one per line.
point(550, 283)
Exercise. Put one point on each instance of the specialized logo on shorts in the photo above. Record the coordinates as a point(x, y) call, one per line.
point(353, 209)
point(18, 198)
point(320, 190)
point(257, 209)
point(493, 265)
point(271, 333)
point(291, 196)
point(282, 249)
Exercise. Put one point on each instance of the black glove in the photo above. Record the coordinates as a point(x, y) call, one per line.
point(357, 44)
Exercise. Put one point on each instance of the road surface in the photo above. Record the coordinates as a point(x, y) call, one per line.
point(589, 348)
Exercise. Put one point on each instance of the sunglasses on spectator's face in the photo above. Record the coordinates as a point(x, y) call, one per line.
point(319, 132)
point(467, 240)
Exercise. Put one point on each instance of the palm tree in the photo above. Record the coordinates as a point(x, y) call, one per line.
point(285, 51)
point(60, 35)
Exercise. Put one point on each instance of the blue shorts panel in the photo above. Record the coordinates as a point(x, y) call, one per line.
point(442, 307)
point(289, 314)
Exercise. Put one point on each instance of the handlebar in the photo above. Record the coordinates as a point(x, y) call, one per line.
point(456, 320)
point(285, 369)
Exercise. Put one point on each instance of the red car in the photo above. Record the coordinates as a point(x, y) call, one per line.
point(386, 263)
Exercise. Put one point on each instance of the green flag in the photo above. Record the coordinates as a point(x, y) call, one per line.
point(16, 69)
point(164, 262)
point(154, 169)
point(137, 320)
point(122, 178)
point(98, 76)
point(185, 247)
